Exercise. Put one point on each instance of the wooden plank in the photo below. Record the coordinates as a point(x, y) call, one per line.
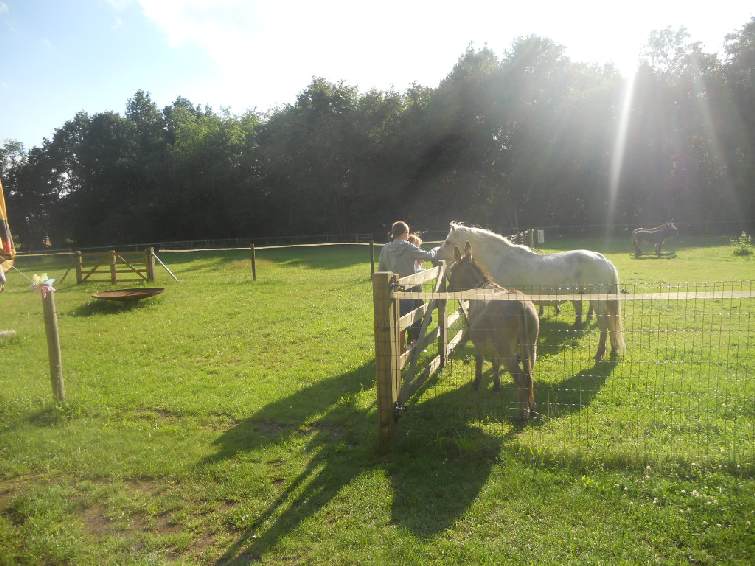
point(419, 278)
point(418, 347)
point(496, 295)
point(458, 339)
point(132, 268)
point(89, 273)
point(411, 317)
point(454, 317)
point(426, 320)
point(411, 388)
point(442, 322)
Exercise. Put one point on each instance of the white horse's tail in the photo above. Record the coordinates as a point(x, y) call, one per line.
point(615, 324)
point(615, 327)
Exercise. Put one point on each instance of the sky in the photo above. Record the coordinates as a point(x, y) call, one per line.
point(59, 57)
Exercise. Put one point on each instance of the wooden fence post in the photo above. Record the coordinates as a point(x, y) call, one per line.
point(149, 261)
point(372, 257)
point(53, 345)
point(386, 355)
point(79, 264)
point(113, 267)
point(254, 262)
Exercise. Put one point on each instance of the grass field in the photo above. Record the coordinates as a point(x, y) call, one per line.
point(232, 421)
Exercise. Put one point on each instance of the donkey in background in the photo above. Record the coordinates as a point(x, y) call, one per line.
point(655, 235)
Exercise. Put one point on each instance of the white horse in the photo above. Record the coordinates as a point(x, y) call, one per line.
point(519, 267)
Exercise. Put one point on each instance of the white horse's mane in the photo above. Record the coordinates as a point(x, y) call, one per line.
point(490, 234)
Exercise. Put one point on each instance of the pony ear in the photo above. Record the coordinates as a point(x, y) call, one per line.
point(468, 249)
point(457, 254)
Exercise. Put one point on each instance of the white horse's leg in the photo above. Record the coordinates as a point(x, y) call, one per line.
point(577, 314)
point(496, 374)
point(600, 312)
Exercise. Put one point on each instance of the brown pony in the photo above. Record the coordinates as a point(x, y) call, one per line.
point(502, 331)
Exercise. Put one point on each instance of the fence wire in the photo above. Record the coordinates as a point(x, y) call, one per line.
point(683, 391)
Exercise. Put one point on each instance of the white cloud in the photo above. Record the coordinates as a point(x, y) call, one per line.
point(265, 52)
point(120, 5)
point(4, 8)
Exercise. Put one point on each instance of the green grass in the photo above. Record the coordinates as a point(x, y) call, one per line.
point(230, 421)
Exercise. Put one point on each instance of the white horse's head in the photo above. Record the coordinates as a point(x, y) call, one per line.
point(454, 239)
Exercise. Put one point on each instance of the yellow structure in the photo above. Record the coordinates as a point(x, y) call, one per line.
point(7, 249)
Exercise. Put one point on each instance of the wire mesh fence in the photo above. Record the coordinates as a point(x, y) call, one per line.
point(683, 390)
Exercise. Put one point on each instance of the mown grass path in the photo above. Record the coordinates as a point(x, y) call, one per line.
point(233, 421)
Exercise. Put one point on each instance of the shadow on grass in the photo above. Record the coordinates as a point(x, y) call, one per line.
point(555, 334)
point(439, 463)
point(650, 255)
point(326, 257)
point(100, 307)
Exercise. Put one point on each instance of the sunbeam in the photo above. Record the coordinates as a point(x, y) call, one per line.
point(617, 158)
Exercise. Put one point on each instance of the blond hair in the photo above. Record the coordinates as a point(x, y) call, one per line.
point(415, 239)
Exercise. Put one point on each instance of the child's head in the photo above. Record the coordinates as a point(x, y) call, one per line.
point(415, 239)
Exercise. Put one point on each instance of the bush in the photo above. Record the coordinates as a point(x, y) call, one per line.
point(743, 244)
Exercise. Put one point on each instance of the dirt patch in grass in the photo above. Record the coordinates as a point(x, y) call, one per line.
point(96, 521)
point(9, 489)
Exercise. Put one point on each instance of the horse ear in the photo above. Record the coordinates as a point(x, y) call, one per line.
point(457, 254)
point(468, 249)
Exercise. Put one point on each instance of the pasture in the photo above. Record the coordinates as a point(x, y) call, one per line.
point(231, 421)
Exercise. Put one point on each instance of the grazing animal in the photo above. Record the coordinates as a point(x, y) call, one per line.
point(575, 271)
point(502, 331)
point(655, 235)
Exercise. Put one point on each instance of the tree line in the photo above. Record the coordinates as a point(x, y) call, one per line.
point(527, 138)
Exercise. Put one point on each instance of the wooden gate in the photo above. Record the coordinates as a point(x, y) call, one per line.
point(141, 266)
point(397, 378)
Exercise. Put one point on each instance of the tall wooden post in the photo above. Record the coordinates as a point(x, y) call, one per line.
point(149, 261)
point(372, 257)
point(113, 267)
point(53, 345)
point(254, 261)
point(386, 355)
point(79, 264)
point(531, 237)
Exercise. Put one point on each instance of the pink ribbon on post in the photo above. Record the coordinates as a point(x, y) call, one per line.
point(43, 285)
